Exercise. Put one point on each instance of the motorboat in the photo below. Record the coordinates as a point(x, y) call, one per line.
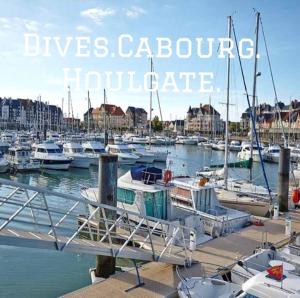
point(220, 146)
point(4, 146)
point(79, 158)
point(200, 197)
point(271, 154)
point(138, 140)
point(19, 158)
point(50, 156)
point(124, 153)
point(206, 145)
point(140, 151)
point(93, 149)
point(245, 152)
point(295, 153)
point(4, 164)
point(23, 139)
point(235, 146)
point(143, 191)
point(160, 155)
point(205, 287)
point(262, 285)
point(252, 274)
point(184, 140)
point(156, 140)
point(8, 137)
point(118, 139)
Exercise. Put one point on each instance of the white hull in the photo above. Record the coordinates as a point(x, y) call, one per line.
point(4, 168)
point(146, 159)
point(247, 203)
point(126, 161)
point(26, 167)
point(160, 156)
point(246, 156)
point(80, 162)
point(55, 166)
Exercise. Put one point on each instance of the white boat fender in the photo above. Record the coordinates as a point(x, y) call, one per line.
point(193, 240)
point(276, 211)
point(288, 226)
point(215, 232)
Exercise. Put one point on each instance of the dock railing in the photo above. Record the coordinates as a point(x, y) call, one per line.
point(31, 216)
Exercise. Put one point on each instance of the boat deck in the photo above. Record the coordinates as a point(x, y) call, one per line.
point(161, 280)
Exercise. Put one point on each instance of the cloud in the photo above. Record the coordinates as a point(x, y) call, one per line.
point(83, 29)
point(17, 23)
point(134, 12)
point(97, 14)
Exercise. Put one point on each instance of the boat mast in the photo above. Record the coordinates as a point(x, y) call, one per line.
point(227, 108)
point(104, 122)
point(151, 94)
point(254, 91)
point(88, 115)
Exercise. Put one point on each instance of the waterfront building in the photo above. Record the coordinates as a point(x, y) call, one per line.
point(204, 119)
point(136, 118)
point(112, 115)
point(29, 114)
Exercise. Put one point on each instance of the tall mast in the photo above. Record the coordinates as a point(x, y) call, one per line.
point(254, 91)
point(151, 94)
point(62, 115)
point(227, 108)
point(104, 122)
point(88, 115)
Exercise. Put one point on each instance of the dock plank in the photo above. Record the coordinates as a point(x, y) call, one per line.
point(161, 280)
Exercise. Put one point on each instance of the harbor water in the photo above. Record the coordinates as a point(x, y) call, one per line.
point(36, 273)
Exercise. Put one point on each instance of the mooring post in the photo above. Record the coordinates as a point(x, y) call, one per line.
point(107, 194)
point(283, 179)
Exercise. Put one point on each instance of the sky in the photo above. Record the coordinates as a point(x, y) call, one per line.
point(30, 76)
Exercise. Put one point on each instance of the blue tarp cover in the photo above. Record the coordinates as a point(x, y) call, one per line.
point(147, 174)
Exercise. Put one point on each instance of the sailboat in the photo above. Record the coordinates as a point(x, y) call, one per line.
point(236, 193)
point(159, 155)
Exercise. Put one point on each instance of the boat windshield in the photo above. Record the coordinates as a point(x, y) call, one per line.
point(77, 150)
point(53, 151)
point(127, 150)
point(99, 150)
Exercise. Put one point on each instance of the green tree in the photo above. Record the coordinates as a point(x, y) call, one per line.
point(156, 124)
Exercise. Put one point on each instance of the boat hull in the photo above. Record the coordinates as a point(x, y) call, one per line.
point(255, 208)
point(79, 162)
point(61, 165)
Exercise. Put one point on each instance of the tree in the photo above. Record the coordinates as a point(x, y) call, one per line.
point(156, 124)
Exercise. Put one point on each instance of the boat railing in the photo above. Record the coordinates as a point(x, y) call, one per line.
point(35, 217)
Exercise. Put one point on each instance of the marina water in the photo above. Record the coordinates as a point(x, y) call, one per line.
point(35, 273)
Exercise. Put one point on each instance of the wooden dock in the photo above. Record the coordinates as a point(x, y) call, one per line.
point(161, 280)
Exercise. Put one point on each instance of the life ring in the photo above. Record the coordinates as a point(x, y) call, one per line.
point(296, 196)
point(167, 176)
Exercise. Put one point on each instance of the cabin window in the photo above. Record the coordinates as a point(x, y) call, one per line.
point(99, 150)
point(125, 196)
point(156, 204)
point(88, 150)
point(12, 153)
point(113, 150)
point(41, 150)
point(53, 150)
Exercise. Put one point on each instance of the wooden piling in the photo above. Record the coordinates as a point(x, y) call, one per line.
point(107, 183)
point(283, 179)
